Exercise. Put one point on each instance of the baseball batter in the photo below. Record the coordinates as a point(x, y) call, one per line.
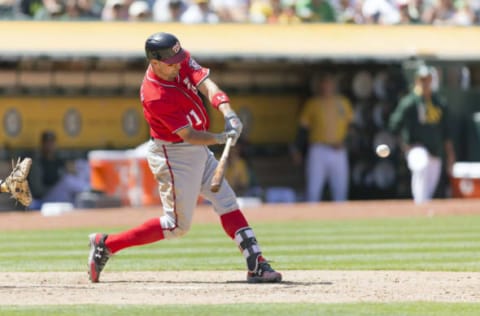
point(180, 160)
point(421, 120)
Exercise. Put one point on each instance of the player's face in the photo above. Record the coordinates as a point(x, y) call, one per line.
point(426, 84)
point(165, 71)
point(327, 86)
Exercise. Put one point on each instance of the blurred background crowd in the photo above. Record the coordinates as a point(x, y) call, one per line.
point(390, 12)
point(56, 90)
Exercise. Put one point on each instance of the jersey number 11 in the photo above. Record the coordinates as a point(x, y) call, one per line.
point(195, 117)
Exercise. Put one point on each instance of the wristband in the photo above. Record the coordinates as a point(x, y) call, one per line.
point(219, 98)
point(229, 113)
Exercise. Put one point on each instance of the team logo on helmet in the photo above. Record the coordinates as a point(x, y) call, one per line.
point(176, 48)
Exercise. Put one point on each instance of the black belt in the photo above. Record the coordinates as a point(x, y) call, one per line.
point(333, 146)
point(177, 142)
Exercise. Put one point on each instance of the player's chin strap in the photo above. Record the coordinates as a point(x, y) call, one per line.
point(246, 241)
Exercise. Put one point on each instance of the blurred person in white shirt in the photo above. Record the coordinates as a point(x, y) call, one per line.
point(464, 15)
point(231, 10)
point(380, 12)
point(115, 10)
point(139, 11)
point(200, 12)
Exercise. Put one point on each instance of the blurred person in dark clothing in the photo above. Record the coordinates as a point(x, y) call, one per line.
point(6, 9)
point(440, 12)
point(422, 122)
point(53, 179)
point(26, 9)
point(169, 10)
point(319, 11)
point(82, 10)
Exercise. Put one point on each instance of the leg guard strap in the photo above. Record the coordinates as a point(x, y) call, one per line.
point(246, 241)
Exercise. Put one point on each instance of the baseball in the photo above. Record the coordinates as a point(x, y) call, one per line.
point(383, 150)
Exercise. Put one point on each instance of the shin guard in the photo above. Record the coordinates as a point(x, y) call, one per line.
point(246, 241)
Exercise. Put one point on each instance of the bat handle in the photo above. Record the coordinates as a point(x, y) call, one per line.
point(220, 170)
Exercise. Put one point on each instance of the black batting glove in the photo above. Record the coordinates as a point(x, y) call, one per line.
point(233, 122)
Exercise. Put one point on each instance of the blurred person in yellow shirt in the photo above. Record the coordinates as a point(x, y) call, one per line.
point(323, 127)
point(237, 172)
point(273, 12)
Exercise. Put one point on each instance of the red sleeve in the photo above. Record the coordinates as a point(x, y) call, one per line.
point(196, 73)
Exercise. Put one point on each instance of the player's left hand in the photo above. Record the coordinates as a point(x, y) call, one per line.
point(221, 138)
point(233, 135)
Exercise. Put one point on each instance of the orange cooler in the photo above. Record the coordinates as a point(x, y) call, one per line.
point(110, 173)
point(143, 185)
point(124, 174)
point(466, 180)
point(151, 195)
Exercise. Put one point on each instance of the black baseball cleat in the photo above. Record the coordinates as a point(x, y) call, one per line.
point(264, 274)
point(98, 256)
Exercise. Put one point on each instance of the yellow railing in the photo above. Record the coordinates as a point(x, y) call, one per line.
point(247, 40)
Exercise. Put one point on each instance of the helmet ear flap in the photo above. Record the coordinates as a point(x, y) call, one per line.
point(156, 55)
point(153, 54)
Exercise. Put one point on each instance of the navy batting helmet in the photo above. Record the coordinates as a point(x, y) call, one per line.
point(164, 47)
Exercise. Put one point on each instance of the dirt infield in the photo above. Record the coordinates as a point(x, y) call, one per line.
point(203, 287)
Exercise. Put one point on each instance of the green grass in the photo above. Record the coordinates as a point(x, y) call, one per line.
point(437, 243)
point(360, 309)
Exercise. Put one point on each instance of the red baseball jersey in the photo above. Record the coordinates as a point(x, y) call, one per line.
point(169, 106)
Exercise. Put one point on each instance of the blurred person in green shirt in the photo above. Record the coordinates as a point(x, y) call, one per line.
point(421, 120)
point(320, 11)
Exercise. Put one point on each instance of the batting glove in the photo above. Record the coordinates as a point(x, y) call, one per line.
point(222, 137)
point(232, 122)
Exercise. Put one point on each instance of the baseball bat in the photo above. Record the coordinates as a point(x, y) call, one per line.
point(220, 170)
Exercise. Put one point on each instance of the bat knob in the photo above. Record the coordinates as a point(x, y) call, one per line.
point(215, 188)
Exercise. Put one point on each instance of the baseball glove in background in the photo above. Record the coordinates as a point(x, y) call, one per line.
point(16, 183)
